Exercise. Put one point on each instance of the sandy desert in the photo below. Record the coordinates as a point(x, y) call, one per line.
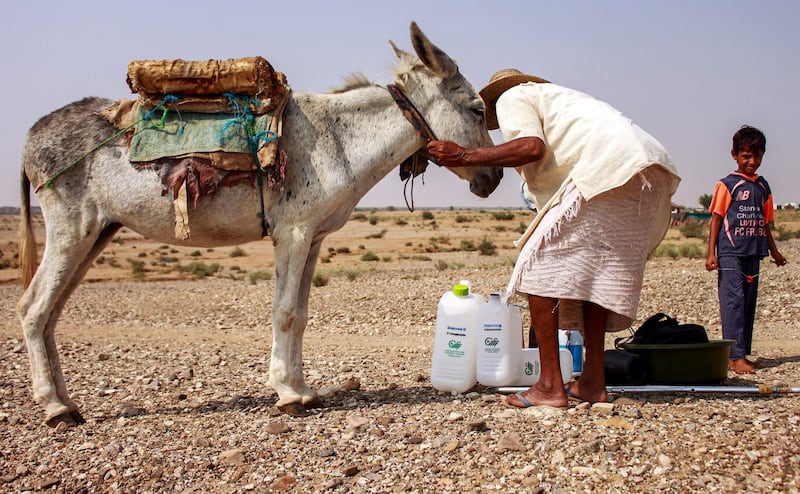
point(166, 350)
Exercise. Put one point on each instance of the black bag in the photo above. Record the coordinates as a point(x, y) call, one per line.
point(623, 367)
point(661, 329)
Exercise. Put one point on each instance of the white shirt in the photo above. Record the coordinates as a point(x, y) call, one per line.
point(588, 141)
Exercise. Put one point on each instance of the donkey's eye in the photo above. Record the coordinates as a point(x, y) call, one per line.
point(478, 112)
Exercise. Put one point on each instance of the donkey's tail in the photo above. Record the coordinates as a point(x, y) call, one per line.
point(27, 241)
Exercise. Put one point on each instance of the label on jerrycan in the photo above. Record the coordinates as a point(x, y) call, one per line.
point(531, 369)
point(453, 360)
point(499, 342)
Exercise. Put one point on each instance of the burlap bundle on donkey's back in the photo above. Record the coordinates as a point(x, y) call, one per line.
point(201, 85)
point(252, 76)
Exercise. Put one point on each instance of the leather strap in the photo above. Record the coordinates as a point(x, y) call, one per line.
point(417, 163)
point(411, 113)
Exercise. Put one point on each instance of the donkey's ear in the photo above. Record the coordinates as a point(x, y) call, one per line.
point(435, 59)
point(401, 55)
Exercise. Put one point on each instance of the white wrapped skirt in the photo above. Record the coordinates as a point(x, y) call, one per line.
point(595, 250)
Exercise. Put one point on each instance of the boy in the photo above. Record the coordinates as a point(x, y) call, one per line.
point(740, 236)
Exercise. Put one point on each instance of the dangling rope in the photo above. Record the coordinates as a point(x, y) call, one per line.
point(410, 179)
point(164, 110)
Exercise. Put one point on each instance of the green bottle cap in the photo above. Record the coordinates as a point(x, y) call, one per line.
point(460, 290)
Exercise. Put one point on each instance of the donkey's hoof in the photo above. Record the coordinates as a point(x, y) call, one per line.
point(294, 409)
point(314, 402)
point(77, 417)
point(65, 418)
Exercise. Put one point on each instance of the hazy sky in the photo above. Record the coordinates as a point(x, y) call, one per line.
point(688, 72)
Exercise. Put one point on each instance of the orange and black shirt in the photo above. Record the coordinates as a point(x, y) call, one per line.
point(745, 205)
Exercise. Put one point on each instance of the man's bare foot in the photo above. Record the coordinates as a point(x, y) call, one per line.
point(741, 366)
point(584, 392)
point(534, 397)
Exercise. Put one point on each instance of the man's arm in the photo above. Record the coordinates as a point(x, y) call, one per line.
point(509, 154)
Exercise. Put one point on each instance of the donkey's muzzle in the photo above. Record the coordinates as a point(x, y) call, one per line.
point(486, 182)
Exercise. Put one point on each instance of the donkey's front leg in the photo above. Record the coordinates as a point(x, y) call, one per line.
point(289, 318)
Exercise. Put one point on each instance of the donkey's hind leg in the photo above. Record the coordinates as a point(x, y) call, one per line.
point(64, 264)
point(106, 235)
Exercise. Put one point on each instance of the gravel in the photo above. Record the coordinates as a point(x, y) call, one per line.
point(171, 378)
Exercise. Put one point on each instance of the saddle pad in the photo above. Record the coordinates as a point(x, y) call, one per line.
point(187, 133)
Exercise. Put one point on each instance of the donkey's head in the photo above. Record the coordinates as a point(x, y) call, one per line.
point(448, 102)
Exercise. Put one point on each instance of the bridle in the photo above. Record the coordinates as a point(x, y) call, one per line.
point(411, 113)
point(417, 163)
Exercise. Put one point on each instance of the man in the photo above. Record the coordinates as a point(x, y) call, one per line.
point(602, 187)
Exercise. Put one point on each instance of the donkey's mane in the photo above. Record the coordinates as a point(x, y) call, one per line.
point(358, 80)
point(351, 82)
point(402, 71)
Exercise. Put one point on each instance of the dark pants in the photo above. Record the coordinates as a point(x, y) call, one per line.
point(737, 284)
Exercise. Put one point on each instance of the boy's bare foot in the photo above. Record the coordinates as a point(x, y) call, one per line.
point(741, 366)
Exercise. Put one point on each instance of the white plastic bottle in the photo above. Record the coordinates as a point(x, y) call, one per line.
point(499, 341)
point(531, 367)
point(453, 360)
point(563, 338)
point(575, 346)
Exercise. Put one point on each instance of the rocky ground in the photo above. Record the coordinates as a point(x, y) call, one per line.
point(171, 378)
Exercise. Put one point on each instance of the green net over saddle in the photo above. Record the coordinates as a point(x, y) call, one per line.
point(164, 132)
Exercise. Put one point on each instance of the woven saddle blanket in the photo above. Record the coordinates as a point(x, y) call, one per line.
point(203, 125)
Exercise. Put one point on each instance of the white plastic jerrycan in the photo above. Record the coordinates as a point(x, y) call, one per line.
point(453, 360)
point(531, 367)
point(499, 341)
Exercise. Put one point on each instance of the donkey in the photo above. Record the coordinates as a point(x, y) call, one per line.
point(338, 146)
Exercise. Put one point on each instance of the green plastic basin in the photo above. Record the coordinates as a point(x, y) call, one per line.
point(693, 363)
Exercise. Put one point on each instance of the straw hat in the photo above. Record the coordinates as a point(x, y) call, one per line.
point(500, 82)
